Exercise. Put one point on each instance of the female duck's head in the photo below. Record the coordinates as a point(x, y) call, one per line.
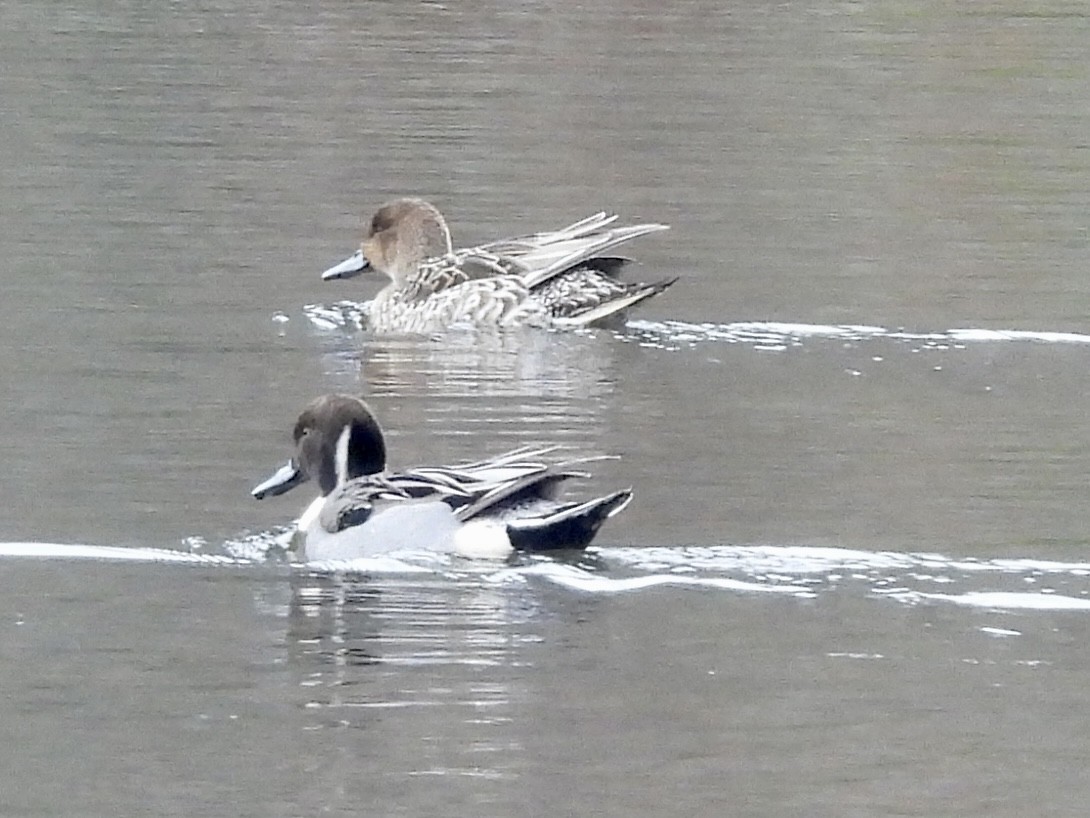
point(401, 235)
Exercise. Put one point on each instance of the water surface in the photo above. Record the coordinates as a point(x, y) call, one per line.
point(853, 580)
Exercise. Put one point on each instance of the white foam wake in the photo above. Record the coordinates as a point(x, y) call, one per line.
point(780, 335)
point(110, 553)
point(774, 335)
point(1027, 584)
point(578, 579)
point(998, 600)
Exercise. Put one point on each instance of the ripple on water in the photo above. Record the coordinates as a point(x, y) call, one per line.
point(770, 335)
point(797, 571)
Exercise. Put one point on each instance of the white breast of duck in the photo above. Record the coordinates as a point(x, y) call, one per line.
point(409, 527)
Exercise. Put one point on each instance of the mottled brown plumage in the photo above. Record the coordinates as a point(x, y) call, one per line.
point(559, 278)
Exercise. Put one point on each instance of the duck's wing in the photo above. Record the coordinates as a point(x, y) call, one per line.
point(480, 276)
point(551, 252)
point(541, 256)
point(434, 275)
point(586, 296)
point(570, 275)
point(482, 484)
point(556, 257)
point(354, 502)
point(536, 258)
point(455, 485)
point(522, 488)
point(480, 489)
point(529, 246)
point(540, 485)
point(520, 455)
point(536, 521)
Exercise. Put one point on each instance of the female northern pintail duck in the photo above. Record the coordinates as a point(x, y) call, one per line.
point(558, 278)
point(482, 509)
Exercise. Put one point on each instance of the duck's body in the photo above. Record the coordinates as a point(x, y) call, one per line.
point(482, 509)
point(558, 278)
point(497, 301)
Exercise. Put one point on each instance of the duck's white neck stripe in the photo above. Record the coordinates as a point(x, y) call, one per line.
point(308, 517)
point(341, 461)
point(446, 236)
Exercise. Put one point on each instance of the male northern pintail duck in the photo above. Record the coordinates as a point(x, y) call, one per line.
point(559, 278)
point(482, 509)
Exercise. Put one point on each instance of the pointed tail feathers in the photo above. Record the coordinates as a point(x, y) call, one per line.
point(569, 526)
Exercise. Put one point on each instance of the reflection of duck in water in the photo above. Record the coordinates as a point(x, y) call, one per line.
point(558, 278)
point(485, 509)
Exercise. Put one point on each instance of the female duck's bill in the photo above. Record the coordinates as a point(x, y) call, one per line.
point(565, 278)
point(485, 508)
point(349, 268)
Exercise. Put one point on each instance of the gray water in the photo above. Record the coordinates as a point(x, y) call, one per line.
point(854, 577)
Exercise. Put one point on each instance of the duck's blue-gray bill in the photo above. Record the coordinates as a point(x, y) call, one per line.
point(351, 266)
point(287, 477)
